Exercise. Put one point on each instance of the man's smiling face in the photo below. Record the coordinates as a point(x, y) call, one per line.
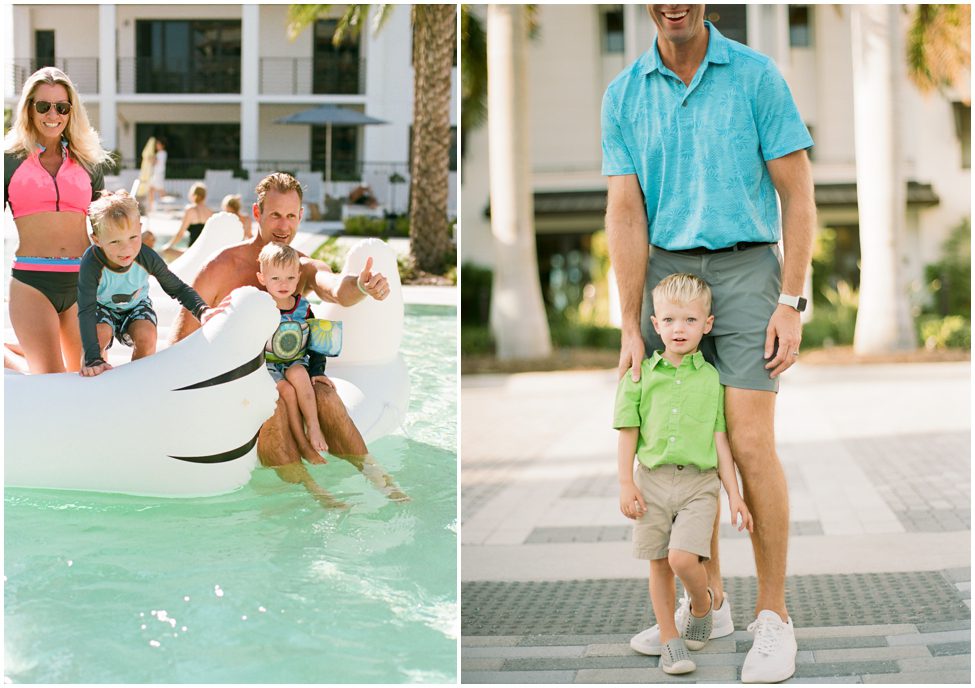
point(279, 219)
point(677, 24)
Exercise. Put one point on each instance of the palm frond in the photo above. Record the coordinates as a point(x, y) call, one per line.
point(938, 49)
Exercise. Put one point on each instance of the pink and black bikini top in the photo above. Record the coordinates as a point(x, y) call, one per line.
point(28, 188)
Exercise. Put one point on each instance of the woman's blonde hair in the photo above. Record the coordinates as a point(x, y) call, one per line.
point(682, 288)
point(113, 209)
point(83, 142)
point(198, 192)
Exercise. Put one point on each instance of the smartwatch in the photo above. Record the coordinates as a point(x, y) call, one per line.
point(797, 302)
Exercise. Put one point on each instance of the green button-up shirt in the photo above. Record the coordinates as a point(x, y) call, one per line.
point(678, 410)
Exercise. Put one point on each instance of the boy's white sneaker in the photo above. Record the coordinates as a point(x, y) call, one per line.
point(773, 654)
point(647, 642)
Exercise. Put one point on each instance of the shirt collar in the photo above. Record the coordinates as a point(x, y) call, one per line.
point(696, 359)
point(717, 52)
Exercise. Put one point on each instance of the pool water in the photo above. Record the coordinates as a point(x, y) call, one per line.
point(259, 586)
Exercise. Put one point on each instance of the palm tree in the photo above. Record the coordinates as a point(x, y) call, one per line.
point(517, 312)
point(938, 55)
point(434, 34)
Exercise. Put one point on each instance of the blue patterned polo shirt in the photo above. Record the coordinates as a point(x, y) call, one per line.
point(699, 151)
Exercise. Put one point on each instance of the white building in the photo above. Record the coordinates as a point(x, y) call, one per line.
point(214, 79)
point(581, 48)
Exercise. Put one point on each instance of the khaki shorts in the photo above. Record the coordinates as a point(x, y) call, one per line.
point(682, 503)
point(745, 287)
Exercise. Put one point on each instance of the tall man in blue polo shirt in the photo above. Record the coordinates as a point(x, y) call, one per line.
point(698, 135)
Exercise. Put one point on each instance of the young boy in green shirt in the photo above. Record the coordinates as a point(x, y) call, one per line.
point(672, 420)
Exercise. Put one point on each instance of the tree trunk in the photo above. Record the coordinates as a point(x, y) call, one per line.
point(517, 312)
point(883, 318)
point(433, 51)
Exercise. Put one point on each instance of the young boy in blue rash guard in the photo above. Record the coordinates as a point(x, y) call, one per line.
point(113, 284)
point(290, 360)
point(672, 421)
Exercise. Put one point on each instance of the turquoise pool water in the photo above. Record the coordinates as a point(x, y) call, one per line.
point(259, 586)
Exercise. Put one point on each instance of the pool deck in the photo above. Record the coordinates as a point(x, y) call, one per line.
point(878, 462)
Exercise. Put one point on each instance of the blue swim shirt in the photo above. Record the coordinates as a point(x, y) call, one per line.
point(699, 151)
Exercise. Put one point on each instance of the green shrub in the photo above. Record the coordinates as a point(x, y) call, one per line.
point(949, 332)
point(451, 274)
point(362, 225)
point(476, 340)
point(331, 253)
point(949, 280)
point(475, 294)
point(570, 335)
point(834, 321)
point(407, 268)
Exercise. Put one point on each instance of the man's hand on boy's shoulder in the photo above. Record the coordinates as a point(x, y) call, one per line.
point(632, 350)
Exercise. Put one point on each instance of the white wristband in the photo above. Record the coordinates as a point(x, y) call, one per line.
point(361, 288)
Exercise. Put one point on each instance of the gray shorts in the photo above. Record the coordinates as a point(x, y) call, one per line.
point(745, 287)
point(277, 369)
point(682, 503)
point(120, 320)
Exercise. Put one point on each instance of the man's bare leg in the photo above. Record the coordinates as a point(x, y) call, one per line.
point(751, 432)
point(276, 449)
point(345, 442)
point(713, 565)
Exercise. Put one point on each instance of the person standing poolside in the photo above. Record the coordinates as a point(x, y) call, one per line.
point(52, 172)
point(278, 212)
point(698, 135)
point(157, 182)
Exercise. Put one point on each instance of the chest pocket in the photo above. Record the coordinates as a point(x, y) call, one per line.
point(701, 406)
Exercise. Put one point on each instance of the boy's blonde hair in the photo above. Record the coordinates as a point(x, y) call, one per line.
point(682, 288)
point(113, 209)
point(198, 192)
point(280, 255)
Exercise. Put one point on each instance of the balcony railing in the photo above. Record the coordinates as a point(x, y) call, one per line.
point(83, 71)
point(322, 74)
point(152, 75)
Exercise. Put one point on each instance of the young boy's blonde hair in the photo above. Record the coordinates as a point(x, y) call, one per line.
point(280, 255)
point(113, 209)
point(682, 288)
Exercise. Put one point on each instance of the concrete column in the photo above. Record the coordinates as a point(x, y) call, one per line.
point(637, 35)
point(107, 82)
point(250, 35)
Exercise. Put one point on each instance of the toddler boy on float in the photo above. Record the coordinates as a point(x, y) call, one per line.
point(672, 420)
point(278, 273)
point(113, 284)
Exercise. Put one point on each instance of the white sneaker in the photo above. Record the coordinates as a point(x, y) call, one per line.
point(773, 654)
point(647, 642)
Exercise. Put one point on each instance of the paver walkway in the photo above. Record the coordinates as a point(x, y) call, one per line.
point(878, 460)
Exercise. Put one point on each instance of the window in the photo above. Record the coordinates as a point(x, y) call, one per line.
point(345, 152)
point(43, 49)
point(963, 128)
point(193, 147)
point(800, 26)
point(611, 29)
point(187, 56)
point(729, 20)
point(453, 149)
point(336, 68)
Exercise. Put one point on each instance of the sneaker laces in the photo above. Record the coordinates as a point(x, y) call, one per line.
point(683, 609)
point(766, 635)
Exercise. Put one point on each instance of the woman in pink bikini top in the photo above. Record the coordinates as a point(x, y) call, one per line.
point(52, 163)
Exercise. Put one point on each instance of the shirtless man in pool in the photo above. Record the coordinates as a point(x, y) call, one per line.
point(278, 212)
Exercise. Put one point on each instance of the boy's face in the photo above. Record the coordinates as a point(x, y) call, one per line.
point(281, 281)
point(681, 326)
point(121, 244)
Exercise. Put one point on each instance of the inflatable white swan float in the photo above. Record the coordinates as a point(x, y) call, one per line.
point(184, 421)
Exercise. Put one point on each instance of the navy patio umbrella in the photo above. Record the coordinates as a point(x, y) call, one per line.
point(329, 115)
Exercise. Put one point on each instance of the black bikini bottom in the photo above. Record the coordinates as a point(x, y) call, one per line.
point(60, 288)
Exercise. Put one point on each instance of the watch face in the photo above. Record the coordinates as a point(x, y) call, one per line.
point(801, 306)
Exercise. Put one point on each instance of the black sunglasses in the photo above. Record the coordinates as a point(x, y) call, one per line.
point(42, 106)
